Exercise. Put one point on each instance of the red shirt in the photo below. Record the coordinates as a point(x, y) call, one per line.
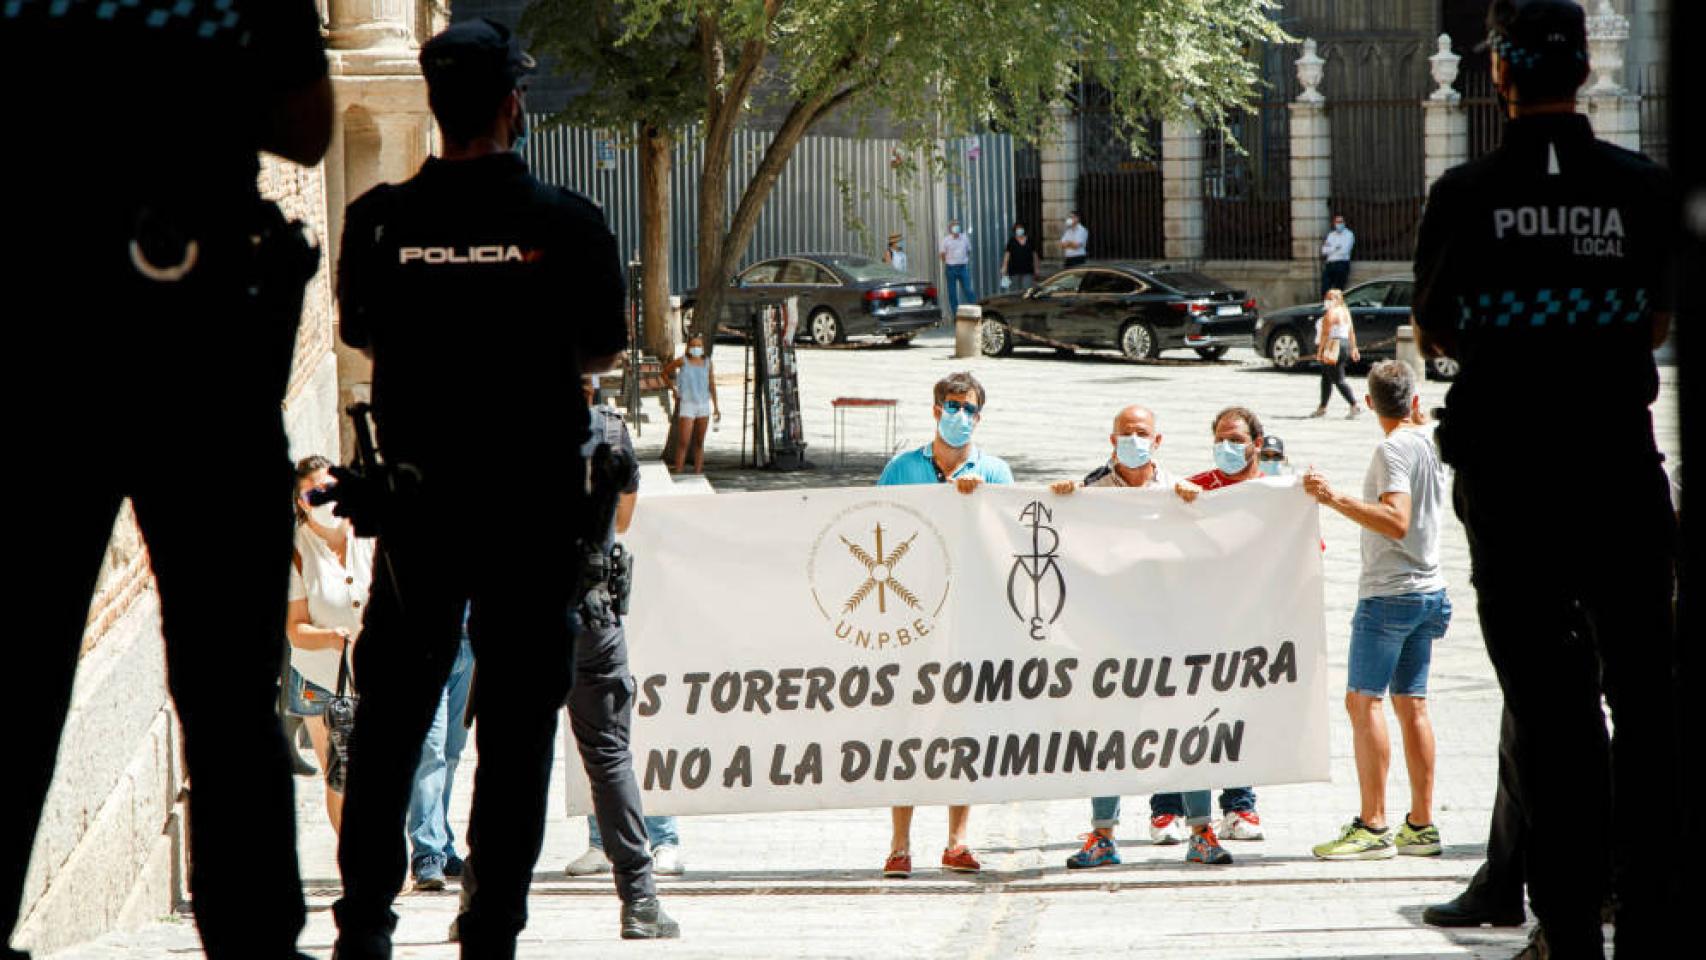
point(1214, 480)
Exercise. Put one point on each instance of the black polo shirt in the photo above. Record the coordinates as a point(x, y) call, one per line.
point(1021, 257)
point(1542, 265)
point(478, 290)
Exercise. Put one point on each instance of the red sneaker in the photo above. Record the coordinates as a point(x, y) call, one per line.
point(960, 860)
point(898, 866)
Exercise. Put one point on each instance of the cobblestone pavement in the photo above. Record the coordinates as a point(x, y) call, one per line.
point(804, 885)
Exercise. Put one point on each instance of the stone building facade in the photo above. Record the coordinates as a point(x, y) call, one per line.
point(110, 852)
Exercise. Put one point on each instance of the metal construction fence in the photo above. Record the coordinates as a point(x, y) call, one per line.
point(837, 194)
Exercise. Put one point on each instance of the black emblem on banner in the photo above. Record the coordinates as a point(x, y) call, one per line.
point(1038, 599)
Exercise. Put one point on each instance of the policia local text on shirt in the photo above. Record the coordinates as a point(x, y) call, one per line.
point(476, 383)
point(1550, 258)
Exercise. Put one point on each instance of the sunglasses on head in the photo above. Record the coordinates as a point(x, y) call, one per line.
point(955, 406)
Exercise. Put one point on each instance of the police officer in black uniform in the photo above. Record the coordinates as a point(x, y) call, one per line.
point(154, 301)
point(600, 706)
point(481, 294)
point(1548, 259)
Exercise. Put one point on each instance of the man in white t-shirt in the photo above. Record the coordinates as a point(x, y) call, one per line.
point(1336, 256)
point(1075, 242)
point(1402, 608)
point(955, 254)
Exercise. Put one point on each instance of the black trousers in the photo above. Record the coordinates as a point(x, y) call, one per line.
point(1333, 375)
point(1574, 600)
point(601, 709)
point(167, 394)
point(1498, 885)
point(523, 648)
point(1334, 275)
point(1073, 261)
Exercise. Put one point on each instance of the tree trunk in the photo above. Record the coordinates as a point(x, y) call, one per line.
point(656, 145)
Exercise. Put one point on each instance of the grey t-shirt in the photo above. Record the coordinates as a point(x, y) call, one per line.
point(1405, 462)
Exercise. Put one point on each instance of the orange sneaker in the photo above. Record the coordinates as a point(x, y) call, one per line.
point(898, 866)
point(960, 860)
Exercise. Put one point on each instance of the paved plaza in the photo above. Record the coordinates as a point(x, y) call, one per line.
point(806, 885)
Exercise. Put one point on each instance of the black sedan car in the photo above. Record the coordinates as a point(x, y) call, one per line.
point(1142, 309)
point(841, 295)
point(1378, 308)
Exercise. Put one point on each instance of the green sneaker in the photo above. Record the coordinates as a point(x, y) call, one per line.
point(1358, 842)
point(1418, 841)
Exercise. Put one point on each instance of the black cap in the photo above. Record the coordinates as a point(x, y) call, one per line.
point(1530, 34)
point(478, 51)
point(1273, 448)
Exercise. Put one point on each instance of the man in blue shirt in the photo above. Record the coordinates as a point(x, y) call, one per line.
point(950, 456)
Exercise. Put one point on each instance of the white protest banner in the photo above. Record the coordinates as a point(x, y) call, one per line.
point(874, 646)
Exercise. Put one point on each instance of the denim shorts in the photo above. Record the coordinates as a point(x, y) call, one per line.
point(306, 699)
point(1392, 643)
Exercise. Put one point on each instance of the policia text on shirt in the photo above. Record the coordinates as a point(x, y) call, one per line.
point(475, 406)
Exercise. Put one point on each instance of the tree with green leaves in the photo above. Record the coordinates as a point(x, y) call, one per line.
point(934, 68)
point(645, 82)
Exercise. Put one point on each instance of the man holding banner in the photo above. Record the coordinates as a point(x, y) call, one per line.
point(1132, 466)
point(950, 456)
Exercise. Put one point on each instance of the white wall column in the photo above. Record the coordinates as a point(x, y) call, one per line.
point(1311, 159)
point(1059, 156)
point(1445, 124)
point(384, 128)
point(1614, 112)
point(1181, 189)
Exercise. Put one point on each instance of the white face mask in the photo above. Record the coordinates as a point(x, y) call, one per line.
point(324, 516)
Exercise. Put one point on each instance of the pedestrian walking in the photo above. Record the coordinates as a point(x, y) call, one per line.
point(895, 253)
point(1516, 303)
point(1402, 610)
point(1018, 261)
point(491, 415)
point(142, 268)
point(330, 571)
point(955, 254)
point(1336, 256)
point(695, 382)
point(432, 841)
point(950, 457)
point(605, 669)
point(1336, 349)
point(1074, 241)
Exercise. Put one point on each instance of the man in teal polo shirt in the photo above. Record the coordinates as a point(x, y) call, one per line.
point(950, 456)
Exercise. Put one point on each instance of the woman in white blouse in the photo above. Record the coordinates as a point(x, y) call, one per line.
point(329, 578)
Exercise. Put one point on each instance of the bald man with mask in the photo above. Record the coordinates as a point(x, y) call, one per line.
point(1135, 441)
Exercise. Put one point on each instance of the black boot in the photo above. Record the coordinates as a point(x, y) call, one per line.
point(1468, 910)
point(644, 919)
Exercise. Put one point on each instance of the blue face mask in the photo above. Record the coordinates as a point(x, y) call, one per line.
point(521, 133)
point(1133, 451)
point(1231, 457)
point(1270, 468)
point(955, 428)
